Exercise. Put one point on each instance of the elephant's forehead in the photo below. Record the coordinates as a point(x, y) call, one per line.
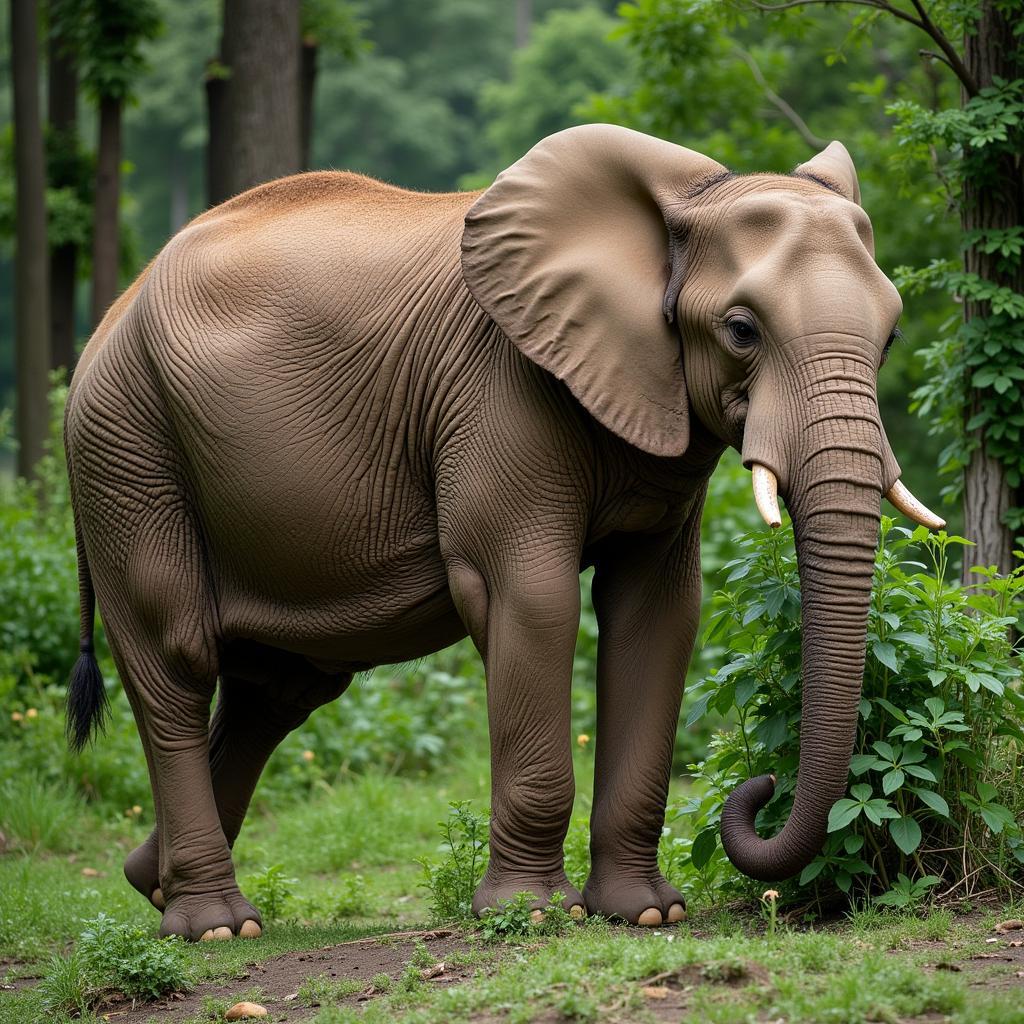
point(782, 221)
point(772, 211)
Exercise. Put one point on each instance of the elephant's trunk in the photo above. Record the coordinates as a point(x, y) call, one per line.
point(834, 499)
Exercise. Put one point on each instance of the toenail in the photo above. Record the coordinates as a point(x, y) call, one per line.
point(677, 912)
point(250, 930)
point(536, 916)
point(207, 935)
point(577, 911)
point(223, 932)
point(157, 899)
point(650, 918)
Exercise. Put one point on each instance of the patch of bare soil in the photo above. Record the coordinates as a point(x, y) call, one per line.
point(16, 974)
point(278, 980)
point(1000, 965)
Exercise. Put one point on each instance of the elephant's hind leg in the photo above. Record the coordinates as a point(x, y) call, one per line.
point(262, 698)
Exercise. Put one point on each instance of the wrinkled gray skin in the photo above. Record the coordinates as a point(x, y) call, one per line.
point(312, 438)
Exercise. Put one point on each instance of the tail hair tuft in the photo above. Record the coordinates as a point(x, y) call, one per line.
point(87, 704)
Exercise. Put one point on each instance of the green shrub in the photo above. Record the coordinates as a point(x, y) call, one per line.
point(272, 891)
point(511, 918)
point(452, 882)
point(935, 784)
point(113, 957)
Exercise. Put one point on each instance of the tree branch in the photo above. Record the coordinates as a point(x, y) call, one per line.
point(936, 56)
point(952, 57)
point(922, 22)
point(780, 104)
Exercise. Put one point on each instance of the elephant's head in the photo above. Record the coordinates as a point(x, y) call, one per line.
point(660, 287)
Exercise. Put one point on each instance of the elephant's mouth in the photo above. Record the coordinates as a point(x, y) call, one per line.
point(766, 498)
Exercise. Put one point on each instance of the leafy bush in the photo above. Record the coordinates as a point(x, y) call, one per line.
point(452, 883)
point(272, 891)
point(112, 957)
point(935, 787)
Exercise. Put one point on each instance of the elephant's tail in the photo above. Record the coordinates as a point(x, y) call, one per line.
point(87, 704)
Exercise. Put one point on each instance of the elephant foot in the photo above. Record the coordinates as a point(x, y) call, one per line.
point(211, 916)
point(142, 869)
point(498, 887)
point(646, 901)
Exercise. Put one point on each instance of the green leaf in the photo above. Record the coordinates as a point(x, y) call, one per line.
point(937, 678)
point(860, 763)
point(885, 750)
point(920, 772)
point(892, 781)
point(811, 872)
point(885, 653)
point(986, 792)
point(842, 813)
point(853, 844)
point(772, 731)
point(906, 834)
point(932, 800)
point(703, 848)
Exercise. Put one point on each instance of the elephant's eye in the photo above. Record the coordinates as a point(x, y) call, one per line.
point(743, 332)
point(896, 335)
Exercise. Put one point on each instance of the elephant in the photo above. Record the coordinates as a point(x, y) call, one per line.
point(336, 424)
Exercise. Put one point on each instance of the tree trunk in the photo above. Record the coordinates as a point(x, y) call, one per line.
point(995, 202)
point(524, 17)
point(31, 272)
point(63, 115)
point(218, 147)
point(178, 212)
point(106, 238)
point(256, 134)
point(308, 65)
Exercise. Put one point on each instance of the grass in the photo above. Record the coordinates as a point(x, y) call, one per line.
point(353, 851)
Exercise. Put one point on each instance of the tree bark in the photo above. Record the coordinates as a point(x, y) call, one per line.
point(255, 135)
point(218, 146)
point(995, 200)
point(106, 238)
point(31, 272)
point(63, 116)
point(308, 69)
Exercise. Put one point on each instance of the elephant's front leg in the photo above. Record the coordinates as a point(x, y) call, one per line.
point(527, 629)
point(647, 599)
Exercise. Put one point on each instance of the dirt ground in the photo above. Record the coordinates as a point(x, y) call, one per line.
point(279, 979)
point(666, 996)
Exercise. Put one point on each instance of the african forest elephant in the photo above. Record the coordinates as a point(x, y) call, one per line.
point(336, 424)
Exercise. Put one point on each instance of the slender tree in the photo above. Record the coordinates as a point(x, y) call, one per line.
point(254, 97)
point(327, 25)
point(31, 285)
point(62, 103)
point(110, 54)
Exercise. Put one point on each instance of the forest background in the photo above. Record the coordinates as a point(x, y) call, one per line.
point(442, 95)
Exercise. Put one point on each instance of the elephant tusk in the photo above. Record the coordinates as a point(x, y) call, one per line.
point(766, 494)
point(906, 503)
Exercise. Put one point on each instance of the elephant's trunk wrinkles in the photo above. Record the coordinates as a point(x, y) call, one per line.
point(834, 500)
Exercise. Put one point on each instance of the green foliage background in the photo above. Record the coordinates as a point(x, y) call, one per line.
point(437, 96)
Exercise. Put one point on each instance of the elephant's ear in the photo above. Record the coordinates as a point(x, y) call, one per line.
point(569, 253)
point(833, 167)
